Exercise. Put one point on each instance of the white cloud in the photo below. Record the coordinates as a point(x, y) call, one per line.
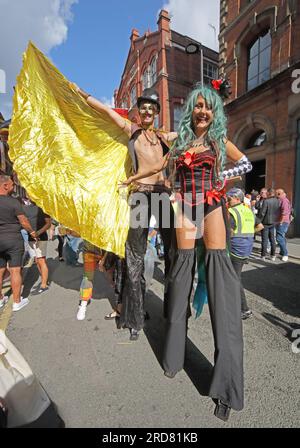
point(45, 22)
point(108, 101)
point(198, 19)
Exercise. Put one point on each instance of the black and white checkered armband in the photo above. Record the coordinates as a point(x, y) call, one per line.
point(241, 167)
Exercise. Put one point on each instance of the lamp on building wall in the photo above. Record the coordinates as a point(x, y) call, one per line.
point(194, 48)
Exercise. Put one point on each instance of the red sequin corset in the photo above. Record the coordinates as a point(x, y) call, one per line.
point(196, 175)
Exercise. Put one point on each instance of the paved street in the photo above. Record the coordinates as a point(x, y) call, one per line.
point(98, 378)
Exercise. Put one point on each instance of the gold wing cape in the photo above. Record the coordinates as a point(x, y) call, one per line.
point(69, 157)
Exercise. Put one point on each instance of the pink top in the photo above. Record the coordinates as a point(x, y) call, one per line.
point(285, 210)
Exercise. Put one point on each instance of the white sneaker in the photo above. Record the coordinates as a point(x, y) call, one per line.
point(81, 311)
point(21, 304)
point(4, 301)
point(285, 258)
point(273, 258)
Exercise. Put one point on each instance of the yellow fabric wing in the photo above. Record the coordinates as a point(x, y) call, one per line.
point(69, 157)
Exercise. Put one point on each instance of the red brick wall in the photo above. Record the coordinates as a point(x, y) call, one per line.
point(177, 72)
point(270, 101)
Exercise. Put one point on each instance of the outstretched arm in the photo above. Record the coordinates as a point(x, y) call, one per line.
point(154, 169)
point(241, 162)
point(121, 122)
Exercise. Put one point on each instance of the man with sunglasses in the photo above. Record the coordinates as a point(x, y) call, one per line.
point(148, 148)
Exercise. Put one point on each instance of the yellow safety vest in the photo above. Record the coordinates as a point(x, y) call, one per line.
point(244, 220)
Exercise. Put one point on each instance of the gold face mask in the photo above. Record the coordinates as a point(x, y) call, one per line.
point(148, 108)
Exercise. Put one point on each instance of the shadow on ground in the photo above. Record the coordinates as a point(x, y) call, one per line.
point(197, 366)
point(286, 328)
point(68, 277)
point(277, 283)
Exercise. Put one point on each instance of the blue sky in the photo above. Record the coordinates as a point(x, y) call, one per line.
point(98, 41)
point(88, 40)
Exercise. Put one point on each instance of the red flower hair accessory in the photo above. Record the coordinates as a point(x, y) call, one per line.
point(222, 86)
point(216, 83)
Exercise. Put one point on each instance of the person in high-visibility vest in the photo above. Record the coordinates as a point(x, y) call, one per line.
point(243, 225)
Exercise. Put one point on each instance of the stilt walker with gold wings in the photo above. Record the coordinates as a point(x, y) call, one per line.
point(68, 156)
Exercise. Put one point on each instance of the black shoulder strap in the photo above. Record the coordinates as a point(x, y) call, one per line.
point(163, 142)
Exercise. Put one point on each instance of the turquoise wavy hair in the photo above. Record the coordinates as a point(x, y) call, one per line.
point(217, 131)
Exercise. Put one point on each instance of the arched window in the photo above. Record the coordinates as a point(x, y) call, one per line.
point(257, 139)
point(178, 109)
point(259, 60)
point(153, 68)
point(133, 96)
point(145, 79)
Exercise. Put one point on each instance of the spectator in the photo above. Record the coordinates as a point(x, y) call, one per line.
point(260, 199)
point(254, 195)
point(269, 215)
point(12, 219)
point(72, 248)
point(242, 222)
point(54, 233)
point(284, 222)
point(95, 259)
point(40, 222)
point(28, 258)
point(247, 200)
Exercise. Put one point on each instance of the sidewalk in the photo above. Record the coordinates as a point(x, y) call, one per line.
point(293, 247)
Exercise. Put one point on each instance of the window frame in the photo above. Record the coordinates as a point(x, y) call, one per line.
point(257, 76)
point(132, 103)
point(153, 73)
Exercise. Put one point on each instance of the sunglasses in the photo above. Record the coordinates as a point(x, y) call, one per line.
point(150, 108)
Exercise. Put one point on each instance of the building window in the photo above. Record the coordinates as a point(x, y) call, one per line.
point(257, 139)
point(145, 79)
point(124, 104)
point(133, 96)
point(210, 71)
point(259, 61)
point(153, 71)
point(177, 113)
point(149, 76)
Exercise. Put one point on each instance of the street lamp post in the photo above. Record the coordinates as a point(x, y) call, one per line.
point(194, 48)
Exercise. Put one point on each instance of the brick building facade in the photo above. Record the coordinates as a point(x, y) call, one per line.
point(158, 60)
point(260, 54)
point(5, 163)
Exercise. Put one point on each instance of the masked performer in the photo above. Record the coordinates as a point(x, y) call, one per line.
point(200, 154)
point(148, 148)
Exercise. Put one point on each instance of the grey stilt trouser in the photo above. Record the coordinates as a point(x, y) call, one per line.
point(224, 303)
point(223, 289)
point(179, 287)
